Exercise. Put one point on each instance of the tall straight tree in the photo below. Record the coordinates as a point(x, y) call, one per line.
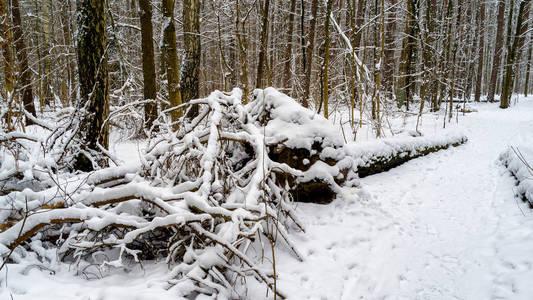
point(512, 48)
point(404, 91)
point(288, 56)
point(5, 42)
point(149, 73)
point(7, 54)
point(190, 72)
point(388, 59)
point(24, 78)
point(325, 82)
point(522, 39)
point(481, 45)
point(93, 78)
point(171, 58)
point(263, 48)
point(496, 60)
point(242, 45)
point(309, 54)
point(528, 70)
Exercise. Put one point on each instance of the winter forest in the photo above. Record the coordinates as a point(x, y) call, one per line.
point(266, 149)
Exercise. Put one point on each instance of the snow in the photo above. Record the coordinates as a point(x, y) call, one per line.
point(292, 122)
point(519, 161)
point(443, 226)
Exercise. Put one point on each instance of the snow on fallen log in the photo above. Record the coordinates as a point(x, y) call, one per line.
point(310, 143)
point(381, 155)
point(519, 161)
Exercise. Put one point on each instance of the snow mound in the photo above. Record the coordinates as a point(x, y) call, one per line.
point(288, 121)
point(519, 161)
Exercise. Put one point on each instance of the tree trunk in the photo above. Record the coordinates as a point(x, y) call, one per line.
point(522, 39)
point(302, 33)
point(325, 79)
point(388, 61)
point(69, 93)
point(528, 71)
point(359, 20)
point(171, 59)
point(93, 77)
point(190, 73)
point(512, 49)
point(288, 54)
point(242, 44)
point(497, 51)
point(24, 80)
point(481, 45)
point(263, 48)
point(405, 90)
point(7, 53)
point(310, 50)
point(149, 73)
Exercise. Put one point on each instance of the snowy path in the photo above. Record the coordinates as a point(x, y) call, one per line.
point(445, 226)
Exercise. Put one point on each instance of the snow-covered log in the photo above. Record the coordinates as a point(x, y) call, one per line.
point(310, 143)
point(382, 155)
point(518, 161)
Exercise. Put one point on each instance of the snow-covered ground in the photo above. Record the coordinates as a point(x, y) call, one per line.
point(444, 226)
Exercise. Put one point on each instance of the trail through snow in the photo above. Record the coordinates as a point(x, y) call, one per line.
point(445, 226)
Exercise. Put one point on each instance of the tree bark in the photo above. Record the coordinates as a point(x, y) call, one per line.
point(7, 53)
point(310, 50)
point(66, 28)
point(287, 74)
point(528, 71)
point(404, 89)
point(497, 51)
point(512, 49)
point(190, 73)
point(171, 59)
point(24, 80)
point(481, 45)
point(522, 38)
point(93, 78)
point(359, 20)
point(388, 61)
point(242, 44)
point(325, 79)
point(149, 72)
point(263, 48)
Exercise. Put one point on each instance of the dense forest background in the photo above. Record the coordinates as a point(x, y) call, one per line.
point(403, 51)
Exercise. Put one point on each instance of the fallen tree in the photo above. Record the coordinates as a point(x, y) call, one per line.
point(382, 155)
point(517, 161)
point(211, 193)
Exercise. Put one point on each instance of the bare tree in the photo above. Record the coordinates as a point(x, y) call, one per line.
point(309, 53)
point(512, 49)
point(93, 77)
point(24, 82)
point(190, 72)
point(496, 60)
point(171, 57)
point(261, 61)
point(149, 72)
point(481, 45)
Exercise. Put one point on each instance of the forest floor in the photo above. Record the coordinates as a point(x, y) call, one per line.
point(444, 226)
